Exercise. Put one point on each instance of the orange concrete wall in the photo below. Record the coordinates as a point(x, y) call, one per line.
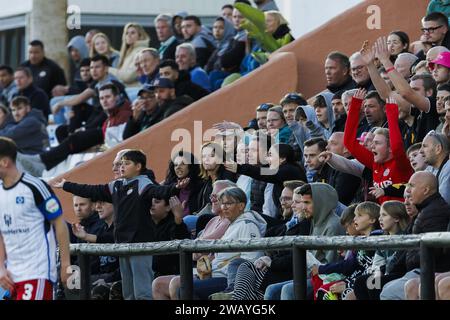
point(298, 66)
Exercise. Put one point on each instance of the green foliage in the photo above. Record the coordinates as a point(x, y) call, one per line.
point(255, 24)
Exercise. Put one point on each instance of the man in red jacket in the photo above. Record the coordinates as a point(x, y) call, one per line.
point(387, 158)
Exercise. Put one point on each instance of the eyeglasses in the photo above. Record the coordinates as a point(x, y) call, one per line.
point(358, 68)
point(264, 107)
point(227, 204)
point(431, 29)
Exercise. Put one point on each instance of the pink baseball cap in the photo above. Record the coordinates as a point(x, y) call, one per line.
point(443, 59)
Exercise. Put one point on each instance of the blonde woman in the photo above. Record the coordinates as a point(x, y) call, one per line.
point(102, 45)
point(134, 39)
point(276, 24)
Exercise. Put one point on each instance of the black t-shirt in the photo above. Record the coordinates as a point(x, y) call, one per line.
point(425, 122)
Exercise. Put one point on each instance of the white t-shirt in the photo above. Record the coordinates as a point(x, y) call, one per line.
point(26, 210)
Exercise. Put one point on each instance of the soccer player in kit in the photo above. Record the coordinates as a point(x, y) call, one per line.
point(30, 218)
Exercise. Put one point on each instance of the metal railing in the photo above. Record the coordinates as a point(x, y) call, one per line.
point(299, 245)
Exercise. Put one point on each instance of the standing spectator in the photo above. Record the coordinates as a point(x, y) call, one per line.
point(145, 113)
point(102, 45)
point(186, 59)
point(26, 88)
point(200, 38)
point(388, 159)
point(131, 217)
point(360, 73)
point(134, 39)
point(182, 80)
point(436, 150)
point(166, 37)
point(28, 129)
point(8, 86)
point(29, 204)
point(47, 74)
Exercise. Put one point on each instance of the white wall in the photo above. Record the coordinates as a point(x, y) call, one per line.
point(306, 15)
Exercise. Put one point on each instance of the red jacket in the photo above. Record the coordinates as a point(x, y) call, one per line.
point(396, 171)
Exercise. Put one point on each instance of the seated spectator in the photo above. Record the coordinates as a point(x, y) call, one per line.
point(149, 62)
point(300, 132)
point(393, 220)
point(168, 102)
point(261, 116)
point(118, 112)
point(176, 25)
point(434, 52)
point(89, 36)
point(166, 37)
point(337, 72)
point(165, 287)
point(100, 77)
point(182, 79)
point(277, 126)
point(88, 222)
point(200, 38)
point(26, 88)
point(404, 63)
point(78, 51)
point(243, 225)
point(397, 42)
point(436, 151)
point(283, 167)
point(317, 171)
point(227, 11)
point(277, 25)
point(435, 29)
point(186, 60)
point(434, 216)
point(145, 113)
point(102, 45)
point(446, 126)
point(440, 68)
point(388, 159)
point(324, 222)
point(416, 158)
point(325, 117)
point(134, 39)
point(167, 225)
point(28, 129)
point(8, 86)
point(47, 74)
point(223, 32)
point(356, 264)
point(339, 112)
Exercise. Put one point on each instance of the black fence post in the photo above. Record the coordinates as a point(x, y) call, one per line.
point(427, 291)
point(299, 261)
point(186, 276)
point(85, 276)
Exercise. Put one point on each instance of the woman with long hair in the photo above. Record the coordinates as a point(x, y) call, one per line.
point(102, 45)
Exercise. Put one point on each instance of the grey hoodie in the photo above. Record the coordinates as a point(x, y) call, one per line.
point(249, 225)
point(30, 134)
point(325, 221)
point(301, 134)
point(79, 43)
point(317, 129)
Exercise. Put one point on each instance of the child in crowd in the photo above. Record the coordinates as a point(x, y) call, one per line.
point(393, 221)
point(341, 275)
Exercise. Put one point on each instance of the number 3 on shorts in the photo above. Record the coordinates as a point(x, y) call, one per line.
point(27, 292)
